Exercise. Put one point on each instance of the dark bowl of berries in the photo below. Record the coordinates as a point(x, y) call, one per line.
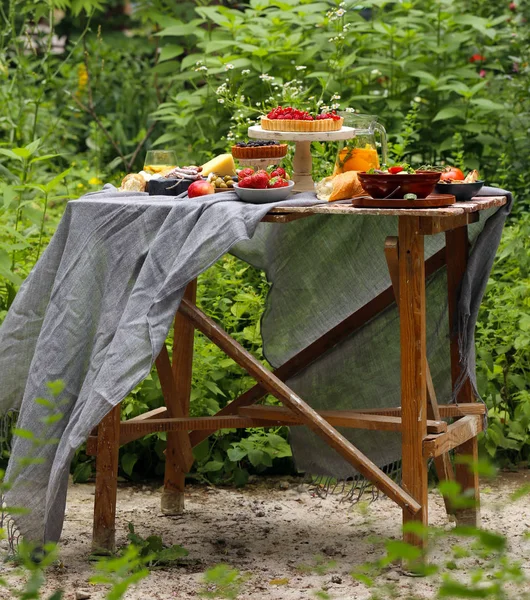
point(262, 187)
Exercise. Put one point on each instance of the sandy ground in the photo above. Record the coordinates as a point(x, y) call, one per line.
point(276, 537)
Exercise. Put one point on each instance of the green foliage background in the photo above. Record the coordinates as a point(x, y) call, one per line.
point(449, 79)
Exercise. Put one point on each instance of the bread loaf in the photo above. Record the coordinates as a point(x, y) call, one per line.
point(339, 187)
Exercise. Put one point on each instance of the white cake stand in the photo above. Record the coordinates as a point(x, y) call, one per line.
point(302, 161)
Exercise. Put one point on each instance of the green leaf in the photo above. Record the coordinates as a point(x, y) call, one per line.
point(128, 461)
point(168, 555)
point(449, 113)
point(212, 466)
point(240, 477)
point(236, 454)
point(170, 51)
point(11, 154)
point(486, 104)
point(82, 472)
point(52, 184)
point(256, 457)
point(453, 589)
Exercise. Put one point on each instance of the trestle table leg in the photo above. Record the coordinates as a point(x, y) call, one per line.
point(457, 247)
point(413, 368)
point(172, 502)
point(104, 528)
point(442, 464)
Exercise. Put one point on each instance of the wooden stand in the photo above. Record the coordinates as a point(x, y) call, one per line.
point(302, 161)
point(419, 418)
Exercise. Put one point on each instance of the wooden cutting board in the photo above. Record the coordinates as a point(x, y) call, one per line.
point(432, 201)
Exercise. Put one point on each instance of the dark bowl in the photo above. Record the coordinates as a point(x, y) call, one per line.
point(461, 191)
point(167, 187)
point(383, 185)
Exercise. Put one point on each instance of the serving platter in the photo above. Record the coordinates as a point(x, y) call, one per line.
point(432, 201)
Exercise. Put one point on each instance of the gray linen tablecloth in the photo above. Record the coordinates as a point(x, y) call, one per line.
point(96, 310)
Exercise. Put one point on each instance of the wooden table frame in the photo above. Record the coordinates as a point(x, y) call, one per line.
point(424, 432)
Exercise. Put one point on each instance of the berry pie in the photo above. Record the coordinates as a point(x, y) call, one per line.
point(293, 119)
point(259, 149)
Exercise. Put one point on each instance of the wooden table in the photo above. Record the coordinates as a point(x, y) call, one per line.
point(425, 433)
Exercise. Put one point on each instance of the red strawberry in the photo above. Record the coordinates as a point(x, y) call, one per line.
point(278, 182)
point(260, 180)
point(245, 173)
point(278, 172)
point(262, 172)
point(245, 182)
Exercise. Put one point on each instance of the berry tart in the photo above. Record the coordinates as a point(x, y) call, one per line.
point(259, 149)
point(293, 119)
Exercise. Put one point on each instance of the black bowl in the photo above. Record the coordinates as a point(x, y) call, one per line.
point(461, 191)
point(167, 187)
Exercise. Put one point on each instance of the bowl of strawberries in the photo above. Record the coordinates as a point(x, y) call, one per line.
point(261, 187)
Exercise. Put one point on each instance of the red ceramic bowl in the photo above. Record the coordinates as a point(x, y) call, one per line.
point(383, 185)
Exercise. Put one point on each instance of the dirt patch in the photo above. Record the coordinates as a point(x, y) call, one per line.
point(290, 543)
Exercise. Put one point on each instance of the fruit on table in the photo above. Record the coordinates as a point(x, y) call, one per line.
point(200, 188)
point(222, 165)
point(258, 181)
point(245, 172)
point(221, 183)
point(280, 172)
point(277, 182)
point(452, 174)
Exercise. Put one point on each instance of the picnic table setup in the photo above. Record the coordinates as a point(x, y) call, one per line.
point(376, 275)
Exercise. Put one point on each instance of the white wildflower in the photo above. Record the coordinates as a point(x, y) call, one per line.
point(335, 97)
point(340, 12)
point(335, 106)
point(417, 99)
point(229, 67)
point(266, 77)
point(198, 63)
point(221, 100)
point(319, 102)
point(241, 98)
point(245, 71)
point(375, 92)
point(349, 110)
point(375, 72)
point(300, 67)
point(202, 68)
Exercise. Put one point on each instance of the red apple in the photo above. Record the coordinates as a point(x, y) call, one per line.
point(200, 188)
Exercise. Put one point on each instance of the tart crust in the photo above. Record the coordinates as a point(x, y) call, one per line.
point(277, 151)
point(299, 125)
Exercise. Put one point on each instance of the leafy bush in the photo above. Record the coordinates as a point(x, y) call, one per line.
point(503, 343)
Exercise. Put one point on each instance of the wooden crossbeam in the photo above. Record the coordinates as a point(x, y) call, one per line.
point(129, 433)
point(334, 336)
point(338, 418)
point(309, 416)
point(457, 434)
